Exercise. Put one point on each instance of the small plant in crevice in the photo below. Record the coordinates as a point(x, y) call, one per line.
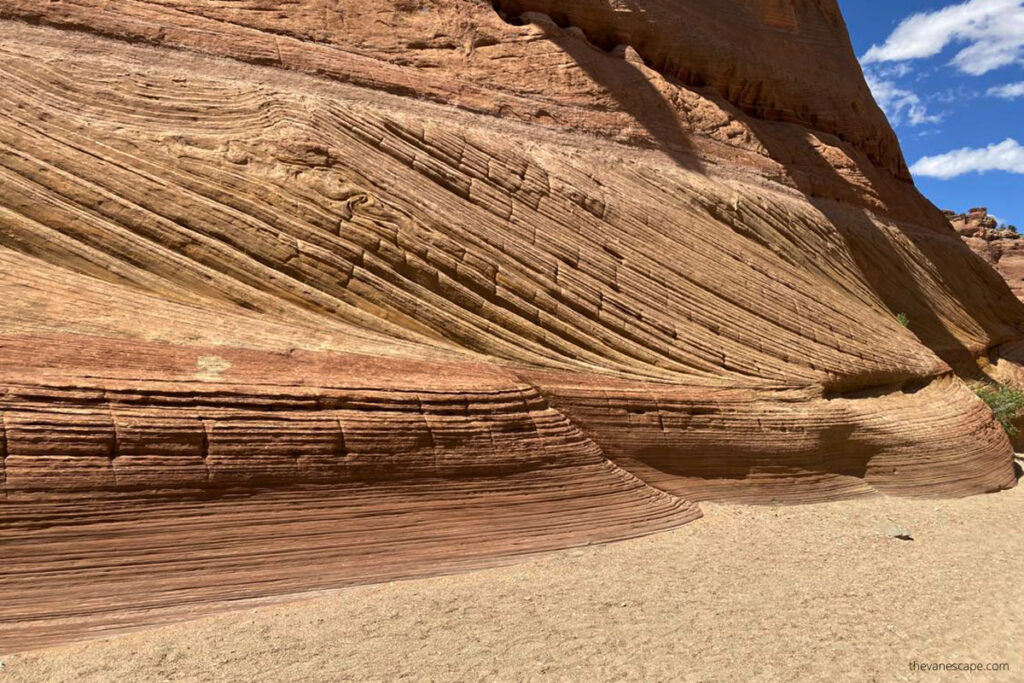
point(903, 319)
point(1006, 402)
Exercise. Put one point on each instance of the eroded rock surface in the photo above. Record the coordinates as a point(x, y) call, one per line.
point(300, 295)
point(1002, 248)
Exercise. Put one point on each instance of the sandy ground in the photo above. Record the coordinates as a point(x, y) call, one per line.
point(775, 594)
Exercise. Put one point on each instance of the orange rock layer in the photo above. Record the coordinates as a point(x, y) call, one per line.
point(1002, 248)
point(297, 296)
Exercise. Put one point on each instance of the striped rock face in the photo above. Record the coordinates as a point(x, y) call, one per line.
point(299, 295)
point(1002, 247)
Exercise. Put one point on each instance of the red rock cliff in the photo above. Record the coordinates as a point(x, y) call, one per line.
point(306, 294)
point(1002, 248)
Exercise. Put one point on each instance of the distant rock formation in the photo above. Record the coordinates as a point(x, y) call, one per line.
point(298, 295)
point(1003, 248)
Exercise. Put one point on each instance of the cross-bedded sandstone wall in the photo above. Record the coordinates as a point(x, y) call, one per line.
point(787, 60)
point(451, 282)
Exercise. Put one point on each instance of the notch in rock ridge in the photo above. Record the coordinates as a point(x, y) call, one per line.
point(508, 11)
point(612, 41)
point(512, 13)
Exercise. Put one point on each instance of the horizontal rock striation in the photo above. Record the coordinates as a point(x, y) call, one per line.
point(695, 443)
point(225, 417)
point(298, 296)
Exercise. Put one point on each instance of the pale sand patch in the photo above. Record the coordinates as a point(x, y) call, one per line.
point(782, 594)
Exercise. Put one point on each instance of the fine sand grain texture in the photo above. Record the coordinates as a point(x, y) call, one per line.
point(750, 593)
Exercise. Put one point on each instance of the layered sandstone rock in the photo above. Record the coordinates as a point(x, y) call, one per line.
point(303, 295)
point(1002, 248)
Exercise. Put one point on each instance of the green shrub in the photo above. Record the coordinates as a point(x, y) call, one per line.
point(1006, 402)
point(902, 319)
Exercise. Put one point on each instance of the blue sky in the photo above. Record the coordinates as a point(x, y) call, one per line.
point(950, 76)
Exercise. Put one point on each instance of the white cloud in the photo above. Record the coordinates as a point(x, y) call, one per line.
point(899, 104)
point(951, 96)
point(1010, 91)
point(896, 70)
point(992, 29)
point(1007, 156)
